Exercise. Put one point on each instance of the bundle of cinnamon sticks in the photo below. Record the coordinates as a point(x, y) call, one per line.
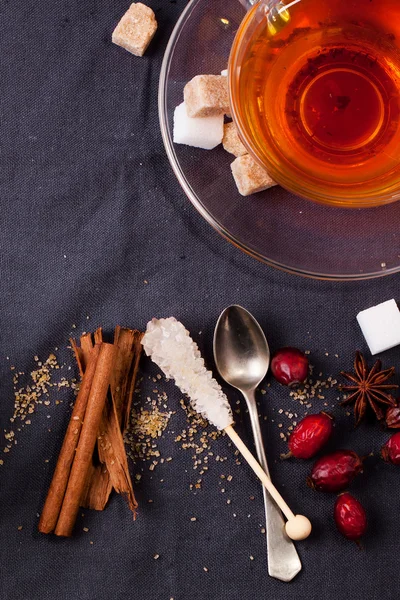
point(92, 459)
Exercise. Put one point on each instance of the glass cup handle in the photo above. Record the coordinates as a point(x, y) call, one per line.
point(276, 11)
point(248, 3)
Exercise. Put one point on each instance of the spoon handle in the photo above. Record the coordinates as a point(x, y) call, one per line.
point(283, 560)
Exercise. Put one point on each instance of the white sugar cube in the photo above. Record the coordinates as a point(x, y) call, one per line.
point(381, 326)
point(200, 132)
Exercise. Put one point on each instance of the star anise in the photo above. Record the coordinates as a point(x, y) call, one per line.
point(369, 388)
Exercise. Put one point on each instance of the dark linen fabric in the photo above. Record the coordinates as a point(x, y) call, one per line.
point(95, 230)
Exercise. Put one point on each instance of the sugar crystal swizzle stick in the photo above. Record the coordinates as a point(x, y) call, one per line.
point(170, 346)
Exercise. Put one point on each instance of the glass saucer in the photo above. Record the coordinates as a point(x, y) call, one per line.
point(274, 226)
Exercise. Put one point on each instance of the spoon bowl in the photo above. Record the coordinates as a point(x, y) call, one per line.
point(241, 350)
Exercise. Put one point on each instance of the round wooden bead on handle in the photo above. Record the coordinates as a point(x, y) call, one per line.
point(297, 527)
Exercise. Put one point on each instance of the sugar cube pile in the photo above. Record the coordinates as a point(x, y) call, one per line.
point(205, 132)
point(200, 122)
point(380, 325)
point(136, 29)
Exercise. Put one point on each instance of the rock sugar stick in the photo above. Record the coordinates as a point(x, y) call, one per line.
point(170, 346)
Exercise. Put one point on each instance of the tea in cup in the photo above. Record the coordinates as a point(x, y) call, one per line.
point(315, 94)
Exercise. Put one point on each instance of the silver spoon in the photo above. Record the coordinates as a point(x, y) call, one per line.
point(242, 358)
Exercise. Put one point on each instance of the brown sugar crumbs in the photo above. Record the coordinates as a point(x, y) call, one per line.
point(145, 427)
point(314, 389)
point(33, 390)
point(151, 419)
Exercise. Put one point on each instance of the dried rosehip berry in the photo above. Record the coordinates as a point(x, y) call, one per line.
point(289, 366)
point(350, 517)
point(391, 450)
point(392, 417)
point(333, 472)
point(310, 435)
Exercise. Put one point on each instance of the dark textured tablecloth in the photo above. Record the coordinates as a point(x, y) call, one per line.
point(95, 230)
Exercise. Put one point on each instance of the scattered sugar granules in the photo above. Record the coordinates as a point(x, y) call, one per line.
point(145, 427)
point(152, 421)
point(36, 391)
point(149, 419)
point(199, 438)
point(313, 390)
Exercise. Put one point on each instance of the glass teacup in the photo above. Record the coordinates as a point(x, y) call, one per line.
point(315, 94)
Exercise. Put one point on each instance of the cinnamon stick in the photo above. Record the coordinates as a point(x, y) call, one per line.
point(87, 441)
point(98, 484)
point(86, 348)
point(124, 339)
point(111, 443)
point(97, 488)
point(78, 356)
point(114, 456)
point(58, 486)
point(98, 335)
point(137, 353)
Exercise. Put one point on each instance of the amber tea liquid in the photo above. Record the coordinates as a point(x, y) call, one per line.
point(321, 98)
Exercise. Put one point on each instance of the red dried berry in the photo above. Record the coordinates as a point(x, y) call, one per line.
point(333, 472)
point(350, 517)
point(289, 366)
point(310, 435)
point(391, 450)
point(392, 417)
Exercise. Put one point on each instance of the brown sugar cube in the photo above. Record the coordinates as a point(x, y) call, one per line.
point(136, 29)
point(231, 141)
point(249, 177)
point(207, 96)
